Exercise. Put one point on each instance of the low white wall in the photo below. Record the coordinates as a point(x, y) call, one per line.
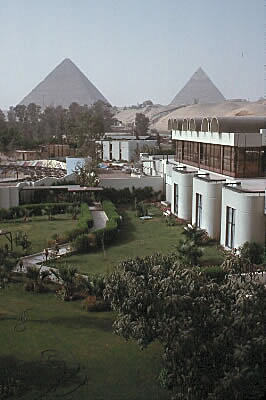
point(9, 196)
point(155, 182)
point(249, 216)
point(211, 192)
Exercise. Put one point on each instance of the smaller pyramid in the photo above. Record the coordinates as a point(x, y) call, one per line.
point(66, 84)
point(199, 89)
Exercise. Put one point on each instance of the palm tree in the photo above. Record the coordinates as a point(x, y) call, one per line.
point(36, 278)
point(67, 276)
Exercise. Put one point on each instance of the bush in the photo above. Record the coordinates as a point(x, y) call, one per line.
point(99, 306)
point(85, 222)
point(81, 243)
point(252, 251)
point(33, 209)
point(5, 214)
point(126, 196)
point(214, 272)
point(85, 218)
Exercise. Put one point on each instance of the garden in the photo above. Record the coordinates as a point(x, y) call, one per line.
point(56, 335)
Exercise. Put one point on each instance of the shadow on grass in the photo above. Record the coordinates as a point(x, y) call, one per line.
point(127, 230)
point(48, 377)
point(88, 321)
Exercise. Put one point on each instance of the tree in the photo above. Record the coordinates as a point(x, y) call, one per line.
point(68, 277)
point(212, 334)
point(36, 278)
point(86, 174)
point(141, 125)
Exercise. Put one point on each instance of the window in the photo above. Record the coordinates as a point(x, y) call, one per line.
point(230, 227)
point(111, 152)
point(198, 210)
point(176, 199)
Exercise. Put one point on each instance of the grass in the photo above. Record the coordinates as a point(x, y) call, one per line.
point(59, 337)
point(60, 345)
point(137, 238)
point(39, 230)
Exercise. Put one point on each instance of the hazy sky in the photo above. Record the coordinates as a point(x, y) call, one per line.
point(133, 50)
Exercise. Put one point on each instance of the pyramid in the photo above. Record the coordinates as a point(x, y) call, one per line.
point(64, 85)
point(199, 89)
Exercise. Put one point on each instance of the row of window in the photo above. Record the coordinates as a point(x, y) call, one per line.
point(232, 161)
point(230, 217)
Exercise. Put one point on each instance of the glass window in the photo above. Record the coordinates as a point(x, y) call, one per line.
point(230, 227)
point(176, 198)
point(198, 210)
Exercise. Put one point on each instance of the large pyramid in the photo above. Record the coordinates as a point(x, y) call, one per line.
point(64, 85)
point(199, 89)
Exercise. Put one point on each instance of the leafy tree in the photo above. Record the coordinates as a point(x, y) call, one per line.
point(188, 252)
point(252, 251)
point(86, 174)
point(195, 234)
point(212, 334)
point(141, 125)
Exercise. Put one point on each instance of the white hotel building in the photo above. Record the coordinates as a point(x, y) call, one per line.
point(217, 180)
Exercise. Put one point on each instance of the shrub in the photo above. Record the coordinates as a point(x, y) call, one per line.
point(84, 223)
point(252, 251)
point(85, 218)
point(214, 272)
point(81, 243)
point(98, 306)
point(5, 214)
point(33, 209)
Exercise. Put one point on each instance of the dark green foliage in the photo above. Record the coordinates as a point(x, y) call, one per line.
point(33, 210)
point(188, 252)
point(252, 251)
point(141, 124)
point(197, 235)
point(214, 272)
point(68, 278)
point(141, 209)
point(81, 243)
point(85, 217)
point(28, 126)
point(127, 196)
point(98, 306)
point(85, 222)
point(212, 334)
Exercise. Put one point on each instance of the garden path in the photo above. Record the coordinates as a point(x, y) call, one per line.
point(99, 222)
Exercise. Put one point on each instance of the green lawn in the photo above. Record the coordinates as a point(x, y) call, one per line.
point(59, 336)
point(39, 230)
point(136, 238)
point(72, 338)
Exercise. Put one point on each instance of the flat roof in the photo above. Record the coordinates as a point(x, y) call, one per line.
point(64, 187)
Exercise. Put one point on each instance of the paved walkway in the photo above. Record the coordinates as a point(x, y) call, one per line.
point(99, 219)
point(39, 259)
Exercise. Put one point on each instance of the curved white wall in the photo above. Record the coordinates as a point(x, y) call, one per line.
point(185, 184)
point(211, 192)
point(249, 218)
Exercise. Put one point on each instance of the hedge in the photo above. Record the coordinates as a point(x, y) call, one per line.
point(85, 222)
point(126, 196)
point(85, 218)
point(111, 228)
point(214, 272)
point(33, 209)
